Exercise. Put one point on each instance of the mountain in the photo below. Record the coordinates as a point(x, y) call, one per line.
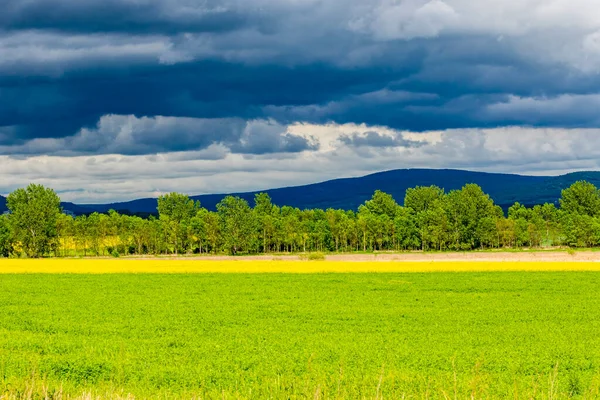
point(349, 193)
point(75, 209)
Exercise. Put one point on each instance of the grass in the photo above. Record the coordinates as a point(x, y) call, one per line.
point(386, 335)
point(178, 266)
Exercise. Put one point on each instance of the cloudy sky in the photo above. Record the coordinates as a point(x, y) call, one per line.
point(117, 99)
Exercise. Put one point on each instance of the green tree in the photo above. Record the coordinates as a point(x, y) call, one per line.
point(580, 230)
point(175, 211)
point(549, 218)
point(506, 232)
point(213, 231)
point(116, 227)
point(364, 223)
point(466, 209)
point(581, 198)
point(197, 232)
point(263, 210)
point(435, 227)
point(104, 231)
point(156, 242)
point(522, 232)
point(93, 233)
point(237, 224)
point(64, 226)
point(290, 219)
point(382, 204)
point(334, 219)
point(140, 233)
point(518, 211)
point(34, 214)
point(487, 232)
point(407, 233)
point(421, 198)
point(5, 237)
point(80, 234)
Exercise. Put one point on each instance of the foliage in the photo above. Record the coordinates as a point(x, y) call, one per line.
point(582, 198)
point(421, 198)
point(33, 219)
point(316, 256)
point(280, 336)
point(176, 211)
point(5, 237)
point(237, 224)
point(431, 219)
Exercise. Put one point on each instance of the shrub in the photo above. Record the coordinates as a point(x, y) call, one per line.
point(316, 256)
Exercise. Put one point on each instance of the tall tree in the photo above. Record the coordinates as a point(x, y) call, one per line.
point(237, 224)
point(548, 216)
point(581, 198)
point(34, 214)
point(93, 233)
point(80, 234)
point(140, 233)
point(407, 233)
point(263, 210)
point(213, 231)
point(66, 233)
point(197, 232)
point(175, 211)
point(467, 208)
point(5, 237)
point(422, 198)
point(382, 203)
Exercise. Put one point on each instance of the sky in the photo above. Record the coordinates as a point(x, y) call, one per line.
point(110, 100)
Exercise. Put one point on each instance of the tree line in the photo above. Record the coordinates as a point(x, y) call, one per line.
point(429, 219)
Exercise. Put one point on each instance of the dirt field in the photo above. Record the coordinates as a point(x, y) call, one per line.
point(550, 256)
point(525, 256)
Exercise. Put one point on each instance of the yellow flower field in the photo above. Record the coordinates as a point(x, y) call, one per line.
point(109, 266)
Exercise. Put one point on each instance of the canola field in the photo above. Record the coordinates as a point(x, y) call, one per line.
point(190, 265)
point(399, 333)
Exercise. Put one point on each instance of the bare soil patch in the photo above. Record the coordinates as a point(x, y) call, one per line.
point(525, 256)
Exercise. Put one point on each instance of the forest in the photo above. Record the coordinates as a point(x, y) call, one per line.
point(429, 219)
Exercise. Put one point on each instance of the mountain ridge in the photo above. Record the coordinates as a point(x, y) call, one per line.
point(349, 193)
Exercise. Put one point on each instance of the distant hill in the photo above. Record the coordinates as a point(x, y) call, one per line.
point(349, 193)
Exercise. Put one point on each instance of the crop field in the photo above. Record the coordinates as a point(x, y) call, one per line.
point(182, 265)
point(387, 335)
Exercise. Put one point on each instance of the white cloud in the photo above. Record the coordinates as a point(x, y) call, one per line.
point(101, 178)
point(408, 20)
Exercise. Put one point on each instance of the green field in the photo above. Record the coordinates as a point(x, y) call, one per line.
point(436, 335)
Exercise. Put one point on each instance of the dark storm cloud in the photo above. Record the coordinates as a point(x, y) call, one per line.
point(57, 108)
point(122, 16)
point(416, 65)
point(129, 135)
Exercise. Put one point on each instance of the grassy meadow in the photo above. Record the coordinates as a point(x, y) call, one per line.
point(388, 335)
